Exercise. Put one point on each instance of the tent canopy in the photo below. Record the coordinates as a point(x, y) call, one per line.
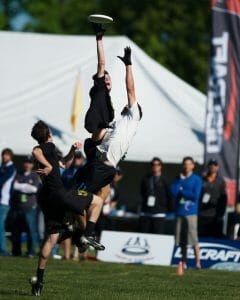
point(38, 78)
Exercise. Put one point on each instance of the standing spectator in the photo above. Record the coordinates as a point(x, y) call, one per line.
point(186, 190)
point(156, 200)
point(24, 207)
point(213, 202)
point(7, 174)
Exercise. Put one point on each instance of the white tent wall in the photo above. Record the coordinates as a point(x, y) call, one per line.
point(38, 74)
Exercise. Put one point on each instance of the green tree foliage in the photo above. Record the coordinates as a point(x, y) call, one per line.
point(175, 33)
point(8, 10)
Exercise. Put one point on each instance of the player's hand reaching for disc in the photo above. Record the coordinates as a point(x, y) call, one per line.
point(99, 30)
point(126, 59)
point(77, 146)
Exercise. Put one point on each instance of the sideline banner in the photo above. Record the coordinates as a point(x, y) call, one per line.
point(155, 249)
point(214, 254)
point(131, 247)
point(223, 106)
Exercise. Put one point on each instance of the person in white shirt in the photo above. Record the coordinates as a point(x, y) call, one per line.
point(109, 145)
point(116, 139)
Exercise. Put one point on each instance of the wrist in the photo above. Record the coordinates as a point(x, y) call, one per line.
point(99, 37)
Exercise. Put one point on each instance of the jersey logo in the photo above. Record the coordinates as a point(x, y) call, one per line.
point(82, 193)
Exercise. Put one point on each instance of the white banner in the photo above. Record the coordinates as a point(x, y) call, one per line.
point(129, 247)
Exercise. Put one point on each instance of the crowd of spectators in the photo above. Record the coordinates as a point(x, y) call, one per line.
point(197, 202)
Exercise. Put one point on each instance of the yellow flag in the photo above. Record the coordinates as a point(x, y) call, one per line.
point(77, 104)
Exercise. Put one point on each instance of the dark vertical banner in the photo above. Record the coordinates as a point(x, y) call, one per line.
point(223, 105)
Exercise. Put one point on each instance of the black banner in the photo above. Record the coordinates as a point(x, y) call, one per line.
point(223, 106)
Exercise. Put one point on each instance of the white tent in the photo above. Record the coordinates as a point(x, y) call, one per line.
point(38, 75)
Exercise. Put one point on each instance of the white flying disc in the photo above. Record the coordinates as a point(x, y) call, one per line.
point(100, 19)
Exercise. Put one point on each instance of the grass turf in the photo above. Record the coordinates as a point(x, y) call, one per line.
point(97, 280)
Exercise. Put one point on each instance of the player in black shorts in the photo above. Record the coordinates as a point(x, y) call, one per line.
point(97, 174)
point(55, 200)
point(111, 136)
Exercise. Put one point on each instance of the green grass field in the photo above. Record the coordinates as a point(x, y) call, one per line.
point(97, 280)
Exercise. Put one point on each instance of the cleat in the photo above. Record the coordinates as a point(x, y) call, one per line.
point(91, 241)
point(36, 286)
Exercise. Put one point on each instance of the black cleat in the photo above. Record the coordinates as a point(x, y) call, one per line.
point(36, 286)
point(91, 241)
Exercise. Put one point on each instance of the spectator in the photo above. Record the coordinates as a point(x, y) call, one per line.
point(7, 174)
point(213, 202)
point(24, 207)
point(114, 195)
point(186, 190)
point(156, 200)
point(110, 204)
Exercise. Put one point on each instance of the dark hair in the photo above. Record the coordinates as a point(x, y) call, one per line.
point(188, 158)
point(212, 161)
point(8, 151)
point(156, 159)
point(28, 159)
point(40, 132)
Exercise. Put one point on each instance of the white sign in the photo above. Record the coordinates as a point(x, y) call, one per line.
point(129, 247)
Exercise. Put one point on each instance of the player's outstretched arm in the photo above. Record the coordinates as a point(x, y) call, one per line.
point(67, 160)
point(38, 155)
point(99, 31)
point(126, 59)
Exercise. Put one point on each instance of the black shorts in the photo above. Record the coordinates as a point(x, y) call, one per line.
point(55, 205)
point(94, 176)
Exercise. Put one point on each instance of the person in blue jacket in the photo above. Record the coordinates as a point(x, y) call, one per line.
point(7, 175)
point(186, 190)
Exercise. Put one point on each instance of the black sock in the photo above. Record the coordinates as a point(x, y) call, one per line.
point(40, 273)
point(90, 228)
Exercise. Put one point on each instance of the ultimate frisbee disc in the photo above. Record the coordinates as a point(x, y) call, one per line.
point(100, 19)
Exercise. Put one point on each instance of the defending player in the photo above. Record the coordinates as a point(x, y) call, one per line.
point(55, 200)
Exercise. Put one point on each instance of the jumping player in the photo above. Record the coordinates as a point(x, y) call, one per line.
point(55, 200)
point(110, 139)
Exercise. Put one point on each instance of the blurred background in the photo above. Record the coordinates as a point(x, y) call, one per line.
point(174, 33)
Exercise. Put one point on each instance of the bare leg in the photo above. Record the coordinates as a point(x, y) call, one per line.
point(197, 256)
point(46, 250)
point(99, 135)
point(67, 248)
point(104, 192)
point(75, 254)
point(37, 282)
point(95, 209)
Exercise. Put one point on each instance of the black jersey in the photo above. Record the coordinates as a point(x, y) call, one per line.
point(53, 181)
point(100, 112)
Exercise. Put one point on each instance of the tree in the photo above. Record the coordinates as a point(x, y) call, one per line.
point(175, 33)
